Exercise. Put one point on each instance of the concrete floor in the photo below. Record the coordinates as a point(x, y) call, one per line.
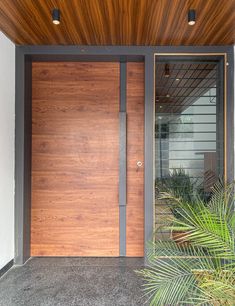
point(73, 281)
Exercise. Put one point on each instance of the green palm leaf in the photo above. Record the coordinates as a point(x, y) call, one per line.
point(207, 226)
point(201, 271)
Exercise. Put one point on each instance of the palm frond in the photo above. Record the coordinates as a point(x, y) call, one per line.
point(205, 227)
point(222, 199)
point(218, 287)
point(201, 271)
point(198, 258)
point(168, 281)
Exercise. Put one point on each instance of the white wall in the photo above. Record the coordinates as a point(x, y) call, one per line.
point(7, 131)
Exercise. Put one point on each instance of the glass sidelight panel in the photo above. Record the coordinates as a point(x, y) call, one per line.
point(189, 128)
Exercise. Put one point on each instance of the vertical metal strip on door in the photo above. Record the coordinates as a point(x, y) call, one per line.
point(122, 160)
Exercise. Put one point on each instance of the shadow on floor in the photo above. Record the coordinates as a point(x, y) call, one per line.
point(73, 281)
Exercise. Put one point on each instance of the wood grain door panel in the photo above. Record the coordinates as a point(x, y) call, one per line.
point(75, 147)
point(75, 159)
point(135, 152)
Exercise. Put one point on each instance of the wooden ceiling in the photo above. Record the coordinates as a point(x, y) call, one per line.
point(118, 22)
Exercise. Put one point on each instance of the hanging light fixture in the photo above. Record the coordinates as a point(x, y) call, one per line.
point(56, 16)
point(191, 17)
point(167, 71)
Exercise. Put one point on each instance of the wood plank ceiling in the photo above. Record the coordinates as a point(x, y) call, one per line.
point(118, 22)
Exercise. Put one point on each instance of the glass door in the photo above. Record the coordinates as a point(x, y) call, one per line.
point(189, 127)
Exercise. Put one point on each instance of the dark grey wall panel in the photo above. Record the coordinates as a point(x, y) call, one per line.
point(149, 150)
point(22, 157)
point(19, 157)
point(230, 115)
point(106, 51)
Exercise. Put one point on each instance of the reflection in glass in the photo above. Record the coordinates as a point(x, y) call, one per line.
point(188, 127)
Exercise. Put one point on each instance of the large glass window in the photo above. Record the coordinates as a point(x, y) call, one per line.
point(188, 126)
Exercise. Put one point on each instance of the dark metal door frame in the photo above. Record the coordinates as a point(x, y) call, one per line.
point(24, 57)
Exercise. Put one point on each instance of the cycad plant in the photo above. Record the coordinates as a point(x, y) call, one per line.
point(202, 271)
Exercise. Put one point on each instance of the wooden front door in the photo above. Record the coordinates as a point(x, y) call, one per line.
point(75, 159)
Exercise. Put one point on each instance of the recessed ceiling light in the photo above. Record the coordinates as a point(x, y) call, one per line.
point(160, 106)
point(191, 17)
point(177, 79)
point(168, 96)
point(56, 16)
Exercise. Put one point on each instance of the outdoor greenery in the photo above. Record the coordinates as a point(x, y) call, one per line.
point(202, 271)
point(179, 184)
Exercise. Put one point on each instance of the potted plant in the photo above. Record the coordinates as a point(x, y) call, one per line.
point(202, 272)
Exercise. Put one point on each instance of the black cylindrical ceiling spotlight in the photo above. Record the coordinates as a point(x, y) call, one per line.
point(191, 17)
point(56, 16)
